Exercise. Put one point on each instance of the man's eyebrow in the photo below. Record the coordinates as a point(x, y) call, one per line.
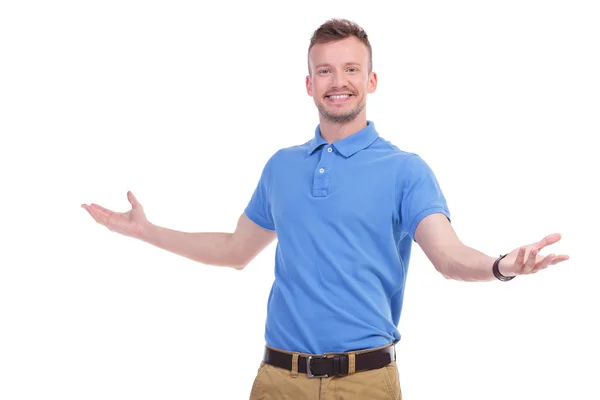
point(346, 64)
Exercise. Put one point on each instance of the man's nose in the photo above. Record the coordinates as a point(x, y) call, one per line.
point(339, 80)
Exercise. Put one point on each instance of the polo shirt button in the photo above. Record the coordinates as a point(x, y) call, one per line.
point(329, 150)
point(321, 170)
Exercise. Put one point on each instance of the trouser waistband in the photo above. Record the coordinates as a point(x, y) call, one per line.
point(331, 364)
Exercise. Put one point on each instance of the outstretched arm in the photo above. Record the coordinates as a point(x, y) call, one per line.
point(225, 249)
point(235, 249)
point(455, 260)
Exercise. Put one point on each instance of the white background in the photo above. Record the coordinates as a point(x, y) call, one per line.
point(183, 103)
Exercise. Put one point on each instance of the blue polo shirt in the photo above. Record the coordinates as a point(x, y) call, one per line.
point(345, 215)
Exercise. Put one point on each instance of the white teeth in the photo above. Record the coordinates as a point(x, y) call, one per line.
point(340, 96)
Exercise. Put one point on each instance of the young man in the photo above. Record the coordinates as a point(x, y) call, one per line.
point(345, 208)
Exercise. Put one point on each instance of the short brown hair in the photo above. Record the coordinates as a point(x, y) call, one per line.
point(338, 29)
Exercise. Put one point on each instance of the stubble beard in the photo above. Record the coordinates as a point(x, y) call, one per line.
point(340, 118)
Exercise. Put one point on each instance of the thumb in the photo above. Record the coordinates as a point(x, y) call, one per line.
point(132, 200)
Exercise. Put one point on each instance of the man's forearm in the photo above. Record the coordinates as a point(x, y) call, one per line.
point(468, 264)
point(211, 248)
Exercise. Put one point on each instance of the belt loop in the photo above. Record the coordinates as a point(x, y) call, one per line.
point(351, 363)
point(294, 372)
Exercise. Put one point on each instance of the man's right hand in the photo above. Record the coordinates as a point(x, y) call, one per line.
point(235, 249)
point(130, 223)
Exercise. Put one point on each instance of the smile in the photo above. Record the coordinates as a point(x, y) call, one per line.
point(339, 96)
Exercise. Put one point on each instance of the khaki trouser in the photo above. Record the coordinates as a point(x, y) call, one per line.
point(274, 383)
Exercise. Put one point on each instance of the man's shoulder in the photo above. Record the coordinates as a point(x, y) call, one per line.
point(399, 154)
point(296, 148)
point(409, 163)
point(290, 151)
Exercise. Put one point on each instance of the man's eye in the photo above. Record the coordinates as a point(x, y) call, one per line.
point(322, 71)
point(352, 69)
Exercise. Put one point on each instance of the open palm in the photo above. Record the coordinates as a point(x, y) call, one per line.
point(527, 259)
point(129, 223)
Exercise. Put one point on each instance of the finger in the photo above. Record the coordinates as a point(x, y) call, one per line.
point(521, 257)
point(543, 264)
point(87, 208)
point(101, 210)
point(98, 217)
point(559, 258)
point(105, 214)
point(528, 267)
point(132, 199)
point(548, 240)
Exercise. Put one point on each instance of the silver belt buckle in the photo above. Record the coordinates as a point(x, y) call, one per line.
point(308, 369)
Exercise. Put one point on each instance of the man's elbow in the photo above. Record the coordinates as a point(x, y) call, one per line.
point(443, 269)
point(240, 261)
point(448, 265)
point(239, 265)
point(226, 257)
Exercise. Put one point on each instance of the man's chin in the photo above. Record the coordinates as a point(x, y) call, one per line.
point(338, 116)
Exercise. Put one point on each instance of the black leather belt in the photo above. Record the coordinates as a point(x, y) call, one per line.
point(326, 365)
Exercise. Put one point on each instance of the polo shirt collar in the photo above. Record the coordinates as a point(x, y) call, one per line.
point(348, 146)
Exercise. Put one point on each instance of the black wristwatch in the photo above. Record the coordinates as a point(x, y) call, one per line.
point(496, 271)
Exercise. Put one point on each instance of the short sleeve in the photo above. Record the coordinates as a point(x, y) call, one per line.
point(419, 194)
point(258, 208)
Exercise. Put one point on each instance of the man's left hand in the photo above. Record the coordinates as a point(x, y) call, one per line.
point(528, 260)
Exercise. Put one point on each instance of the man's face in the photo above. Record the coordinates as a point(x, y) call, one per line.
point(340, 79)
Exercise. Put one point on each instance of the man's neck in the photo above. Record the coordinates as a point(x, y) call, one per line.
point(332, 132)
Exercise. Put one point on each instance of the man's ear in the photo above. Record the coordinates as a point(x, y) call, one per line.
point(309, 88)
point(372, 84)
